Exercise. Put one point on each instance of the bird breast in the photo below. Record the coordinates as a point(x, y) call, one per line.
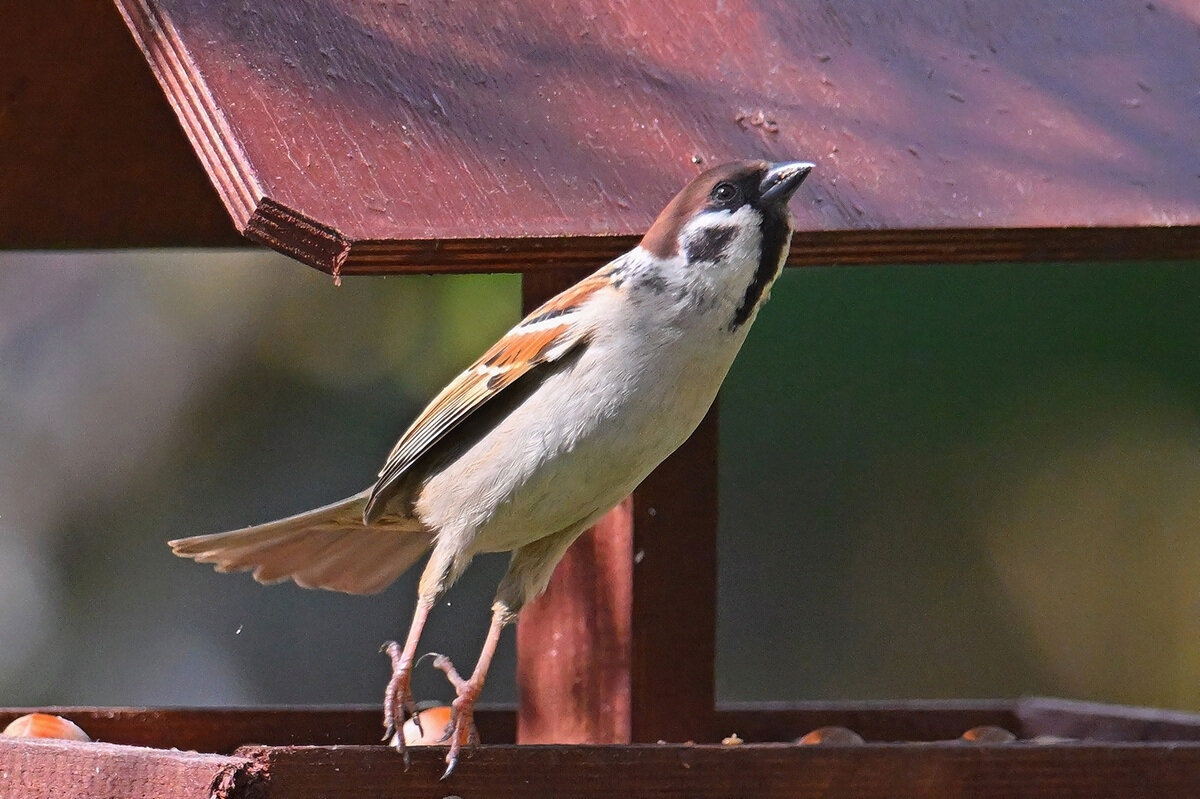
point(589, 433)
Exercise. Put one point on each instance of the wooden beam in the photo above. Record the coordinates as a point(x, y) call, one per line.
point(380, 137)
point(51, 769)
point(809, 248)
point(222, 730)
point(66, 769)
point(674, 614)
point(865, 771)
point(90, 153)
point(573, 643)
point(622, 646)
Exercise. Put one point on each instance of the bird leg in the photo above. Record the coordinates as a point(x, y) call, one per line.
point(462, 710)
point(398, 702)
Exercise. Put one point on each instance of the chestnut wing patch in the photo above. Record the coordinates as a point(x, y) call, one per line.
point(546, 335)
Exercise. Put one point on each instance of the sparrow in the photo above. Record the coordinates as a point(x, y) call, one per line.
point(548, 430)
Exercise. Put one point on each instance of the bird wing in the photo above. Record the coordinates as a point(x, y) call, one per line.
point(544, 336)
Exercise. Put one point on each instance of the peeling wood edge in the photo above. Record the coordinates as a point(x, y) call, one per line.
point(203, 122)
point(242, 780)
point(247, 779)
point(324, 248)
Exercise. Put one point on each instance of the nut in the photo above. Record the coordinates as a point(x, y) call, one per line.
point(837, 736)
point(988, 734)
point(43, 725)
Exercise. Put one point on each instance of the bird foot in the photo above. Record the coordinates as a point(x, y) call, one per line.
point(461, 729)
point(398, 702)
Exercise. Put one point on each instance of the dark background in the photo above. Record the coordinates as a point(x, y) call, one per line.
point(937, 481)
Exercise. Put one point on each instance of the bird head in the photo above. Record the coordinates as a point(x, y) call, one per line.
point(729, 229)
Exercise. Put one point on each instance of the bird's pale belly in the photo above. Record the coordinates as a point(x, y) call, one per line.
point(568, 457)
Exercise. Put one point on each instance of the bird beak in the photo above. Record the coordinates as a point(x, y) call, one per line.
point(782, 179)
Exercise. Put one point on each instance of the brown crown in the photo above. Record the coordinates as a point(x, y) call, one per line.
point(662, 239)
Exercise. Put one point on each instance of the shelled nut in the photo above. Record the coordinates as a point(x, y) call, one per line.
point(838, 736)
point(988, 734)
point(44, 725)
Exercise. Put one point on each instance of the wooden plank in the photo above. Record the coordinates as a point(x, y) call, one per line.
point(622, 645)
point(33, 769)
point(1099, 722)
point(222, 730)
point(674, 627)
point(809, 248)
point(374, 137)
point(30, 769)
point(90, 153)
point(882, 721)
point(934, 720)
point(573, 642)
point(864, 771)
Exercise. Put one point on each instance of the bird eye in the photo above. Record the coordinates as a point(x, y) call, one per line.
point(725, 193)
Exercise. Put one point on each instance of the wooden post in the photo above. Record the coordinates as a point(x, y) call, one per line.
point(621, 648)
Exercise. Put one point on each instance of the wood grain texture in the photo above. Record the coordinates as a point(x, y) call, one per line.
point(33, 769)
point(910, 751)
point(376, 137)
point(866, 771)
point(90, 153)
point(573, 643)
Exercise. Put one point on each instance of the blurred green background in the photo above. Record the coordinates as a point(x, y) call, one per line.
point(936, 481)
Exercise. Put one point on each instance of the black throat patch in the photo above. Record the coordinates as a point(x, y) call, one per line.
point(774, 234)
point(710, 245)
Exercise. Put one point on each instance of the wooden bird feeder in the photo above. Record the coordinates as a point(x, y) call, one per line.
point(368, 138)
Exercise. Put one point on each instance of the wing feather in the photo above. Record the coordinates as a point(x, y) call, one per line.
point(544, 336)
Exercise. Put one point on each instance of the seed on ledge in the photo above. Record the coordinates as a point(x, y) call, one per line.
point(838, 736)
point(988, 734)
point(43, 725)
point(433, 726)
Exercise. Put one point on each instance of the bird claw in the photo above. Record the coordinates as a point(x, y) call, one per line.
point(457, 739)
point(443, 664)
point(398, 702)
point(461, 729)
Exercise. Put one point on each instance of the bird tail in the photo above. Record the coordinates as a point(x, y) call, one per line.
point(329, 547)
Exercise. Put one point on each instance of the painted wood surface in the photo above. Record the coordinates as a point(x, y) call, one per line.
point(372, 137)
point(911, 749)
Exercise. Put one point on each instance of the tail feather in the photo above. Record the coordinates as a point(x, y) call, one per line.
point(329, 547)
